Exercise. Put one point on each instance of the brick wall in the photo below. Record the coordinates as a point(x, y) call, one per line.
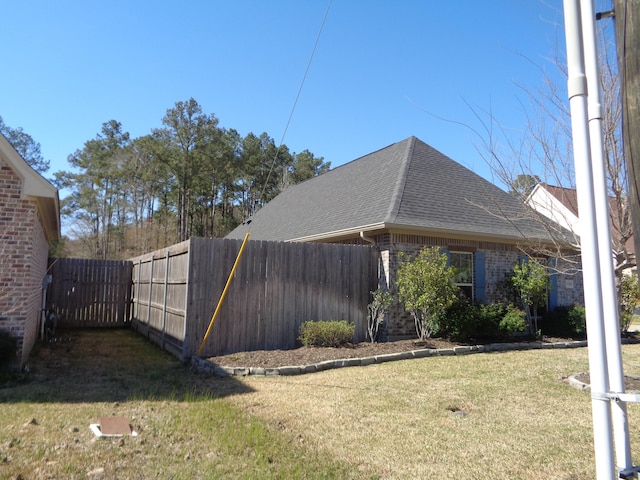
point(499, 260)
point(23, 263)
point(570, 286)
point(37, 270)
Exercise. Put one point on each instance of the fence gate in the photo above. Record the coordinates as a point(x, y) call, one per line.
point(90, 293)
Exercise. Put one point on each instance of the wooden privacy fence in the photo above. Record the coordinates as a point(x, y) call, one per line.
point(277, 286)
point(90, 293)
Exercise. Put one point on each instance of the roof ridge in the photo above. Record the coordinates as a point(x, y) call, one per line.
point(398, 190)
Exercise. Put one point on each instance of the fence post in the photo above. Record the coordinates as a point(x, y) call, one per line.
point(164, 300)
point(150, 290)
point(136, 291)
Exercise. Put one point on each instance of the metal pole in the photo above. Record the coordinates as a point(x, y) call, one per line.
point(577, 88)
point(609, 294)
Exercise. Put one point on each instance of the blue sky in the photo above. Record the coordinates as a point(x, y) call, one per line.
point(382, 71)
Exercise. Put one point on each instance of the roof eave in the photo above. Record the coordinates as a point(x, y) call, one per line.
point(445, 232)
point(412, 229)
point(36, 188)
point(50, 213)
point(343, 233)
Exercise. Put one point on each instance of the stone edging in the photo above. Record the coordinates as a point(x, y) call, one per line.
point(575, 383)
point(201, 364)
point(580, 385)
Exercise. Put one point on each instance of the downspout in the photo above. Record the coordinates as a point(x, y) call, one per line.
point(382, 278)
point(367, 239)
point(382, 273)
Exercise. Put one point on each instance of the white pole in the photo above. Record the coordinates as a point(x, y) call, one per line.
point(577, 88)
point(609, 295)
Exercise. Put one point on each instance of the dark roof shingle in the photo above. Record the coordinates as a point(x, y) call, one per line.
point(407, 185)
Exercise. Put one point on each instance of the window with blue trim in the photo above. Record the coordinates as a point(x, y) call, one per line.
point(462, 262)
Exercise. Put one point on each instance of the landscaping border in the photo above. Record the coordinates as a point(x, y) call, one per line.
point(204, 365)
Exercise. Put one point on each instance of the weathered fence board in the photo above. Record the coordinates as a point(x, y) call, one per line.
point(159, 296)
point(277, 286)
point(90, 293)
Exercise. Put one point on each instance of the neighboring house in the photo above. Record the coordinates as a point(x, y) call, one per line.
point(29, 221)
point(556, 203)
point(402, 198)
point(561, 205)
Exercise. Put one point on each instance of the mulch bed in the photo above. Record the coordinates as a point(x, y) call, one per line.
point(313, 355)
point(631, 384)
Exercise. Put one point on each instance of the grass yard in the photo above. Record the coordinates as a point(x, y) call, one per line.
point(187, 428)
point(484, 416)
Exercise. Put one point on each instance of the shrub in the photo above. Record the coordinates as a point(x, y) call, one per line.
point(466, 321)
point(7, 348)
point(459, 322)
point(326, 334)
point(425, 285)
point(578, 319)
point(629, 293)
point(377, 308)
point(626, 318)
point(531, 280)
point(566, 321)
point(491, 317)
point(514, 321)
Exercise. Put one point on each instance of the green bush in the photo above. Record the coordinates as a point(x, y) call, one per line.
point(326, 334)
point(626, 319)
point(458, 321)
point(491, 318)
point(465, 321)
point(578, 319)
point(7, 348)
point(566, 321)
point(514, 321)
point(629, 295)
point(425, 286)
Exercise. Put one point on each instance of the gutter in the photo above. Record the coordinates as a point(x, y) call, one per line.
point(338, 233)
point(412, 229)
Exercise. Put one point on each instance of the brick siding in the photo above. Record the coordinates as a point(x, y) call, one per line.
point(23, 263)
point(499, 261)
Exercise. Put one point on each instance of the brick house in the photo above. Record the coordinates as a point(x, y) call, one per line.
point(407, 196)
point(29, 221)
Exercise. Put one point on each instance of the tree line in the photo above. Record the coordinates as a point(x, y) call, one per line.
point(189, 177)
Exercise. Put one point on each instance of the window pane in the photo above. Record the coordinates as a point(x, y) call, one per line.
point(463, 263)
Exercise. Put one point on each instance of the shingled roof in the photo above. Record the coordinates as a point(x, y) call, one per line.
point(407, 186)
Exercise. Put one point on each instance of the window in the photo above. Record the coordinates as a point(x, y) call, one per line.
point(463, 264)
